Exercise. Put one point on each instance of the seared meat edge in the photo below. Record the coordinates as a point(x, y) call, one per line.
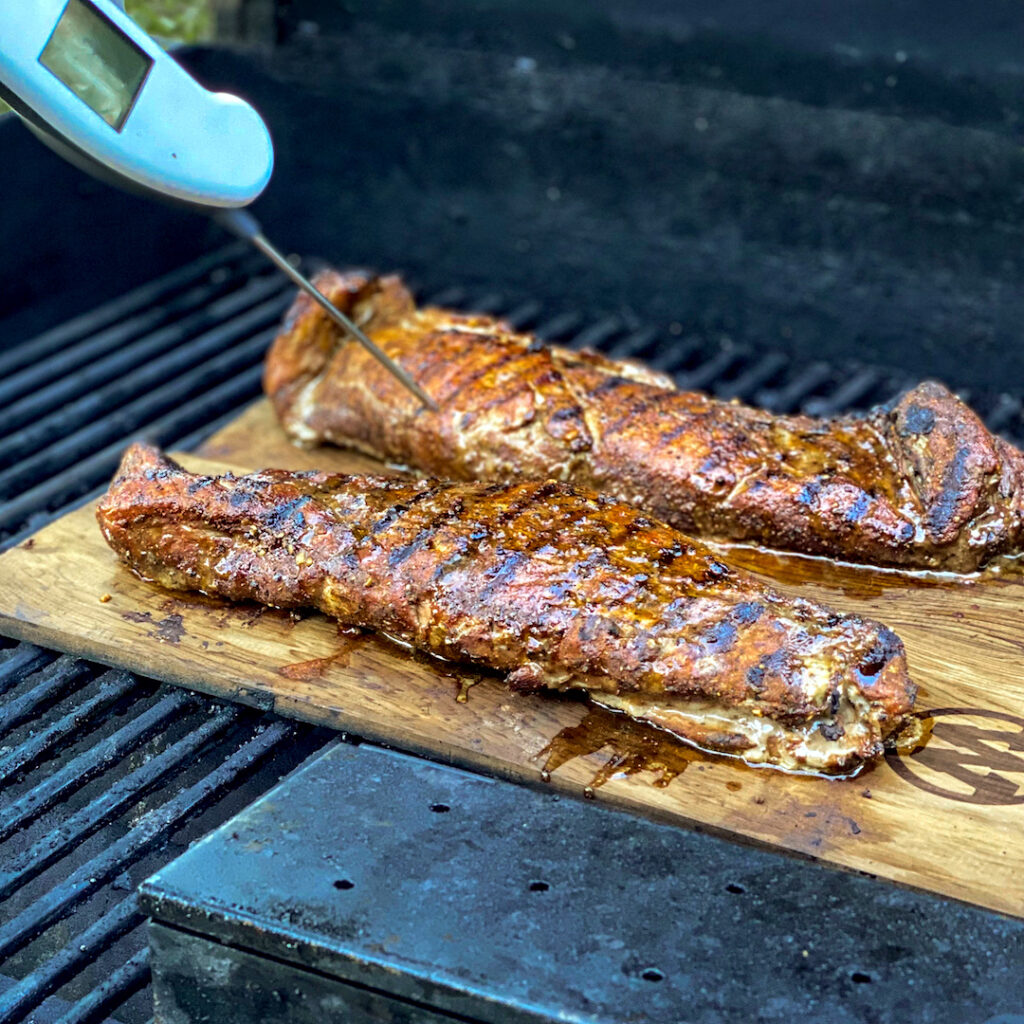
point(555, 587)
point(919, 484)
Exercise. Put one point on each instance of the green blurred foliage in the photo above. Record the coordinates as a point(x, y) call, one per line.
point(186, 21)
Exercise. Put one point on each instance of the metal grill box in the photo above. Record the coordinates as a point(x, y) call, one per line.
point(372, 886)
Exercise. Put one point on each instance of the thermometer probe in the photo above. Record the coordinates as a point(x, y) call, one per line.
point(105, 96)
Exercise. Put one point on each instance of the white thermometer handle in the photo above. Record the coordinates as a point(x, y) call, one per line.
point(172, 138)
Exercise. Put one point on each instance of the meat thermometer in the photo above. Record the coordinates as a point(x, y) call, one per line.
point(107, 97)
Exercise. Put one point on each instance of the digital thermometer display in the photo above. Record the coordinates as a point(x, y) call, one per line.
point(96, 61)
point(76, 69)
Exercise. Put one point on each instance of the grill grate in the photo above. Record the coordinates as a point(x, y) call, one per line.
point(108, 776)
point(120, 777)
point(170, 361)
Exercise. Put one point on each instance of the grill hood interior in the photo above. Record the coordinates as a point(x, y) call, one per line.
point(818, 182)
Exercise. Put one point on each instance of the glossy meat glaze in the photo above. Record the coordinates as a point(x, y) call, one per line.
point(921, 484)
point(553, 586)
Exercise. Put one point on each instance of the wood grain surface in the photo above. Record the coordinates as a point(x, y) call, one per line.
point(947, 817)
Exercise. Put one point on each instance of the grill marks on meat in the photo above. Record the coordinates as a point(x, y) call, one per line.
point(551, 586)
point(920, 484)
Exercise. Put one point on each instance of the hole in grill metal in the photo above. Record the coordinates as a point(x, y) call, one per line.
point(440, 808)
point(539, 886)
point(735, 889)
point(344, 884)
point(652, 974)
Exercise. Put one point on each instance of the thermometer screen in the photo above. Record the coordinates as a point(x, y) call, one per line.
point(96, 61)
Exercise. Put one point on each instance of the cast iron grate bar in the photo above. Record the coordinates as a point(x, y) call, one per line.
point(523, 316)
point(183, 311)
point(217, 265)
point(56, 904)
point(558, 328)
point(453, 296)
point(754, 377)
point(599, 334)
point(491, 303)
point(52, 686)
point(83, 769)
point(165, 361)
point(44, 741)
point(46, 459)
point(130, 372)
point(43, 982)
point(704, 376)
point(128, 979)
point(122, 795)
point(175, 429)
point(230, 393)
point(848, 394)
point(633, 344)
point(23, 660)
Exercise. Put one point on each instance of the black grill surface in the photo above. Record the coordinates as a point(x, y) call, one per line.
point(107, 776)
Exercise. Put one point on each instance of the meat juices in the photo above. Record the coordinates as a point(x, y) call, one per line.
point(920, 484)
point(555, 587)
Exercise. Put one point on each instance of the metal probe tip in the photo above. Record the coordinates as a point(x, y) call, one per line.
point(246, 226)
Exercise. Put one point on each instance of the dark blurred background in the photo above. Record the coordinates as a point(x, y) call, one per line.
point(838, 181)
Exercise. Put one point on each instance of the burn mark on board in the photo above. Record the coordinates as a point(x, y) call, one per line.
point(168, 630)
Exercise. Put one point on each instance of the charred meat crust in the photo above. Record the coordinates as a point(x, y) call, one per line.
point(919, 484)
point(553, 586)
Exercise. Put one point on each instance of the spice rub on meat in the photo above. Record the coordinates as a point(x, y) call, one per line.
point(555, 587)
point(919, 484)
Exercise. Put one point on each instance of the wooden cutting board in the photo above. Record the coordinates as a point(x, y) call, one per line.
point(948, 817)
